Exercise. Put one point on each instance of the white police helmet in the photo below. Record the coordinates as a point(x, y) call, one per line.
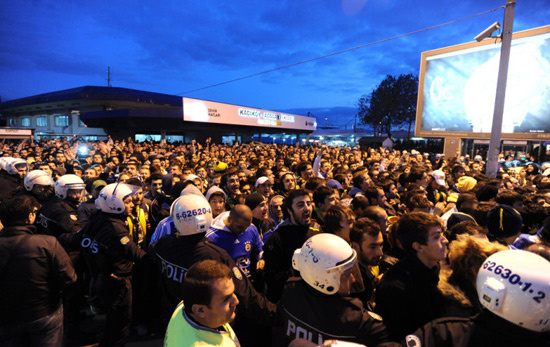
point(37, 177)
point(4, 162)
point(66, 183)
point(326, 262)
point(13, 165)
point(111, 197)
point(191, 214)
point(515, 285)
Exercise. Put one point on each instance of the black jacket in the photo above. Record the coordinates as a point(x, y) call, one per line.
point(32, 279)
point(175, 254)
point(317, 317)
point(57, 217)
point(407, 297)
point(9, 185)
point(108, 247)
point(278, 251)
point(483, 330)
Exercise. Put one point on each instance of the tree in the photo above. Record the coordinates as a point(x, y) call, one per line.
point(391, 103)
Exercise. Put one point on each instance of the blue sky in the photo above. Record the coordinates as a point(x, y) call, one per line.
point(177, 46)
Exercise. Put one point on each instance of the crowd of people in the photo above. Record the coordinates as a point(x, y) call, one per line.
point(300, 245)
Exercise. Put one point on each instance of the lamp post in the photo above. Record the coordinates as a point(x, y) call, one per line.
point(496, 130)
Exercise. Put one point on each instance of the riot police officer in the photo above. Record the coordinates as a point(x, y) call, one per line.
point(110, 254)
point(175, 253)
point(58, 215)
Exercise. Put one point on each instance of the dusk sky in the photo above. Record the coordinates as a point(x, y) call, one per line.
point(175, 47)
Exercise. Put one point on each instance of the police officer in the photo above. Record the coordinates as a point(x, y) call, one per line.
point(11, 177)
point(39, 185)
point(176, 253)
point(514, 287)
point(317, 307)
point(59, 215)
point(110, 254)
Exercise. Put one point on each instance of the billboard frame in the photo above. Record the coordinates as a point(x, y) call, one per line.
point(470, 134)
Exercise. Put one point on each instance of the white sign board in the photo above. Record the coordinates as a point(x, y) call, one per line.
point(195, 110)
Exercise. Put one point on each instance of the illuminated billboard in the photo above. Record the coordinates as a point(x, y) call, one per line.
point(457, 88)
point(195, 110)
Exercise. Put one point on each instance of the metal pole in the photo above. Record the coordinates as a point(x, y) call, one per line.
point(496, 130)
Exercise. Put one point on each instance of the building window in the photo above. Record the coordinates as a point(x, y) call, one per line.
point(42, 121)
point(61, 121)
point(25, 122)
point(11, 122)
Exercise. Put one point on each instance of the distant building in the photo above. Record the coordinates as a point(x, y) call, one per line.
point(94, 113)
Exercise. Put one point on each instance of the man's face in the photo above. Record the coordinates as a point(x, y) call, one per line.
point(156, 185)
point(346, 223)
point(222, 305)
point(132, 170)
point(435, 249)
point(300, 212)
point(423, 181)
point(239, 225)
point(128, 206)
point(242, 177)
point(97, 159)
point(233, 184)
point(246, 188)
point(366, 182)
point(90, 174)
point(382, 220)
point(145, 173)
point(175, 170)
point(60, 158)
point(392, 192)
point(138, 197)
point(75, 195)
point(22, 171)
point(330, 200)
point(307, 173)
point(261, 211)
point(370, 251)
point(277, 207)
point(326, 167)
point(476, 167)
point(289, 182)
point(264, 188)
point(46, 168)
point(381, 198)
point(217, 204)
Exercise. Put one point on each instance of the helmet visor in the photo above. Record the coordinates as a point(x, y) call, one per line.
point(21, 166)
point(351, 280)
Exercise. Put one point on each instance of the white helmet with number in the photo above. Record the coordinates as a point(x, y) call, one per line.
point(111, 197)
point(515, 285)
point(322, 261)
point(66, 183)
point(12, 166)
point(191, 213)
point(37, 177)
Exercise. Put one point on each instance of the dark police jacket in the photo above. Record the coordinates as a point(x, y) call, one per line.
point(483, 330)
point(107, 246)
point(32, 278)
point(57, 217)
point(175, 254)
point(318, 317)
